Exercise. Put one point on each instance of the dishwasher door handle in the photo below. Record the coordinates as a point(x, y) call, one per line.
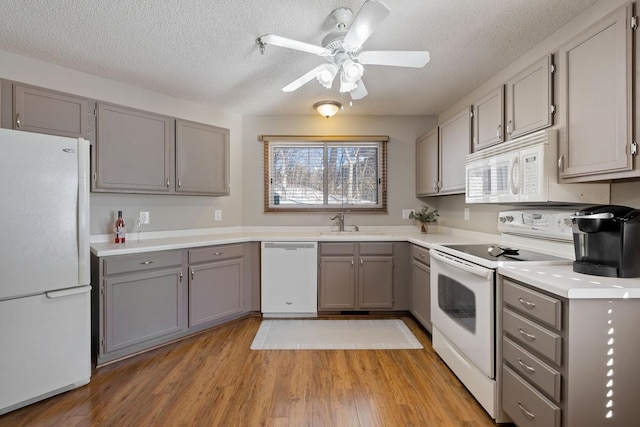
point(288, 246)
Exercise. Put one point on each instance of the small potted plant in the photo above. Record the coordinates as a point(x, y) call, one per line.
point(424, 216)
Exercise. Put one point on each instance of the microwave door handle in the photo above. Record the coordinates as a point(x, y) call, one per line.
point(457, 263)
point(514, 175)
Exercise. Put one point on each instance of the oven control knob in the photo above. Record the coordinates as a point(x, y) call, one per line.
point(509, 218)
point(502, 219)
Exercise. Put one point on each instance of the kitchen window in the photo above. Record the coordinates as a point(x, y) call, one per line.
point(325, 174)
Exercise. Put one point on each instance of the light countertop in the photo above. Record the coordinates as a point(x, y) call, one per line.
point(161, 241)
point(559, 280)
point(563, 281)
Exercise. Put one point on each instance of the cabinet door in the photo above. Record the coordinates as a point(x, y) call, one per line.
point(375, 282)
point(142, 307)
point(202, 159)
point(134, 151)
point(421, 295)
point(529, 99)
point(595, 90)
point(427, 164)
point(215, 291)
point(50, 112)
point(337, 289)
point(455, 141)
point(488, 119)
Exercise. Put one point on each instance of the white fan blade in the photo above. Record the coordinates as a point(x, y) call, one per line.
point(293, 44)
point(359, 92)
point(304, 79)
point(370, 15)
point(406, 58)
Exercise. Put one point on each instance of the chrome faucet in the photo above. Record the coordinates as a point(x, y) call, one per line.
point(340, 217)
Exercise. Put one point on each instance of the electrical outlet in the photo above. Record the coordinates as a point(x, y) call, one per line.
point(406, 213)
point(466, 214)
point(144, 217)
point(217, 215)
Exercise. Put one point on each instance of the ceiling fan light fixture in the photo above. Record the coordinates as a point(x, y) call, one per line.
point(327, 75)
point(352, 71)
point(327, 108)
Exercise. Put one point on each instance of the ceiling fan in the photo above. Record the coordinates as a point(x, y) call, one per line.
point(342, 49)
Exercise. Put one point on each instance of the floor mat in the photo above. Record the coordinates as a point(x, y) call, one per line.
point(316, 334)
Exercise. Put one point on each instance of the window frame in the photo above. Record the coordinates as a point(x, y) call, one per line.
point(380, 141)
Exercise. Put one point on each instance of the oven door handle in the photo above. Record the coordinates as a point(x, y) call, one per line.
point(462, 265)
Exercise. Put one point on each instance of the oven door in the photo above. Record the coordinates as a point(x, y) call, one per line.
point(462, 307)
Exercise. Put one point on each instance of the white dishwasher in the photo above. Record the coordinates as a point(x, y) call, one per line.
point(289, 275)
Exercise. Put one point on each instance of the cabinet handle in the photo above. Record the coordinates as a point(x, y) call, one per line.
point(439, 185)
point(509, 130)
point(499, 132)
point(181, 275)
point(527, 303)
point(179, 183)
point(561, 163)
point(435, 186)
point(146, 262)
point(352, 263)
point(527, 335)
point(18, 122)
point(525, 366)
point(168, 182)
point(527, 413)
point(361, 262)
point(421, 255)
point(219, 253)
point(192, 274)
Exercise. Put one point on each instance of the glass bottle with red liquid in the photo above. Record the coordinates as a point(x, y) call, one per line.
point(119, 229)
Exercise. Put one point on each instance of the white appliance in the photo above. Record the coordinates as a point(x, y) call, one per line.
point(463, 294)
point(44, 267)
point(289, 279)
point(525, 170)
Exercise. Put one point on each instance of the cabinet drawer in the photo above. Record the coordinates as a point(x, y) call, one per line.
point(530, 334)
point(376, 248)
point(338, 248)
point(141, 262)
point(421, 254)
point(535, 304)
point(533, 369)
point(525, 405)
point(215, 253)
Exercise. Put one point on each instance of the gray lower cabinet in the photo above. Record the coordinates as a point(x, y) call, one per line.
point(420, 305)
point(134, 151)
point(141, 301)
point(35, 109)
point(216, 284)
point(202, 159)
point(568, 363)
point(356, 276)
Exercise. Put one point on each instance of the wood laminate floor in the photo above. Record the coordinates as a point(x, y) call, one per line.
point(214, 379)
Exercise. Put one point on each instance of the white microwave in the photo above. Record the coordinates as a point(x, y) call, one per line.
point(524, 170)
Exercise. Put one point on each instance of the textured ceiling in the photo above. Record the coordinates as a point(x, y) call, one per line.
point(205, 51)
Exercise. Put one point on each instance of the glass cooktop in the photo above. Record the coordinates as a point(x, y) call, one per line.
point(497, 252)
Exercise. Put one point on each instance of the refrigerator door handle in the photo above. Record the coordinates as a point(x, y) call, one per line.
point(68, 292)
point(83, 212)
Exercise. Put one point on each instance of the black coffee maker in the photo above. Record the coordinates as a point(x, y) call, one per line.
point(607, 241)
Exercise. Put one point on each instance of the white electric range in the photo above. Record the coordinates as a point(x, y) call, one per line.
point(463, 292)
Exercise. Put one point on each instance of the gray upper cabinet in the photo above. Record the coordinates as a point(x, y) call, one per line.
point(202, 159)
point(595, 75)
point(488, 119)
point(455, 143)
point(54, 113)
point(529, 99)
point(134, 151)
point(427, 164)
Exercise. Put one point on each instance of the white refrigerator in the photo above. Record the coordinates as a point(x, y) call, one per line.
point(45, 342)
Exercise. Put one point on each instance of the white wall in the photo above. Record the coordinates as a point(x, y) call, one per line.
point(402, 131)
point(166, 212)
